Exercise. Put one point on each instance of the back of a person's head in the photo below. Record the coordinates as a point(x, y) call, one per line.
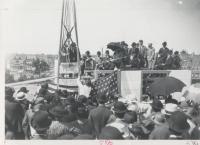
point(112, 133)
point(119, 109)
point(41, 121)
point(82, 112)
point(130, 117)
point(9, 93)
point(102, 98)
point(138, 132)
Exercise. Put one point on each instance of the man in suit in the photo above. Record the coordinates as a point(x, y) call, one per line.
point(143, 53)
point(13, 116)
point(169, 61)
point(99, 117)
point(73, 52)
point(164, 51)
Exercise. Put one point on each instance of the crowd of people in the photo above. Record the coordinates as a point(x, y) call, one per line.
point(137, 57)
point(63, 116)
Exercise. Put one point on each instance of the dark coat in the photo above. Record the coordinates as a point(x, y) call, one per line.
point(84, 127)
point(169, 63)
point(14, 114)
point(98, 118)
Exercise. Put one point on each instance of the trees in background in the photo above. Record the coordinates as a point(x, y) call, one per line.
point(9, 78)
point(40, 66)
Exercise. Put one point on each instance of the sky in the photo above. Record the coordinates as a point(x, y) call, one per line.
point(33, 26)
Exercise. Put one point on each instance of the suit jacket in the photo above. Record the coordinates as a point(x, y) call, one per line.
point(169, 63)
point(14, 114)
point(98, 119)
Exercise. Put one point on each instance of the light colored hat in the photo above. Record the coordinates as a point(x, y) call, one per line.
point(20, 96)
point(169, 109)
point(178, 96)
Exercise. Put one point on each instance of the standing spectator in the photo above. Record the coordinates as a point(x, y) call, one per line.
point(40, 122)
point(98, 59)
point(21, 97)
point(84, 85)
point(135, 59)
point(82, 121)
point(73, 52)
point(143, 53)
point(131, 51)
point(164, 51)
point(162, 131)
point(169, 61)
point(178, 126)
point(99, 117)
point(26, 123)
point(176, 60)
point(13, 116)
point(150, 55)
point(88, 61)
point(119, 123)
point(107, 55)
point(59, 125)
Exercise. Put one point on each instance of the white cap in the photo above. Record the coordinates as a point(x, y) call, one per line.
point(169, 108)
point(20, 96)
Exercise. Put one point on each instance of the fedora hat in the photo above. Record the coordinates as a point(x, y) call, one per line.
point(119, 107)
point(23, 89)
point(169, 108)
point(20, 96)
point(40, 121)
point(58, 111)
point(178, 122)
point(157, 104)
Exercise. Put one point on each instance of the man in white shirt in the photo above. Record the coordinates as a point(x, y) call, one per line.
point(84, 86)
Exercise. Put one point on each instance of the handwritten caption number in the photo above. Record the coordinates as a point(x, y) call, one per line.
point(193, 142)
point(106, 142)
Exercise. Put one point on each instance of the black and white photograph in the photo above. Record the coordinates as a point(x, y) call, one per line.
point(101, 70)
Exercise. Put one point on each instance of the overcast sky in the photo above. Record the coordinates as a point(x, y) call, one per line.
point(33, 26)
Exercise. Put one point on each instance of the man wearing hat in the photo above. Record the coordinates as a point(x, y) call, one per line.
point(40, 122)
point(119, 123)
point(162, 131)
point(21, 97)
point(179, 126)
point(13, 115)
point(59, 125)
point(82, 122)
point(99, 117)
